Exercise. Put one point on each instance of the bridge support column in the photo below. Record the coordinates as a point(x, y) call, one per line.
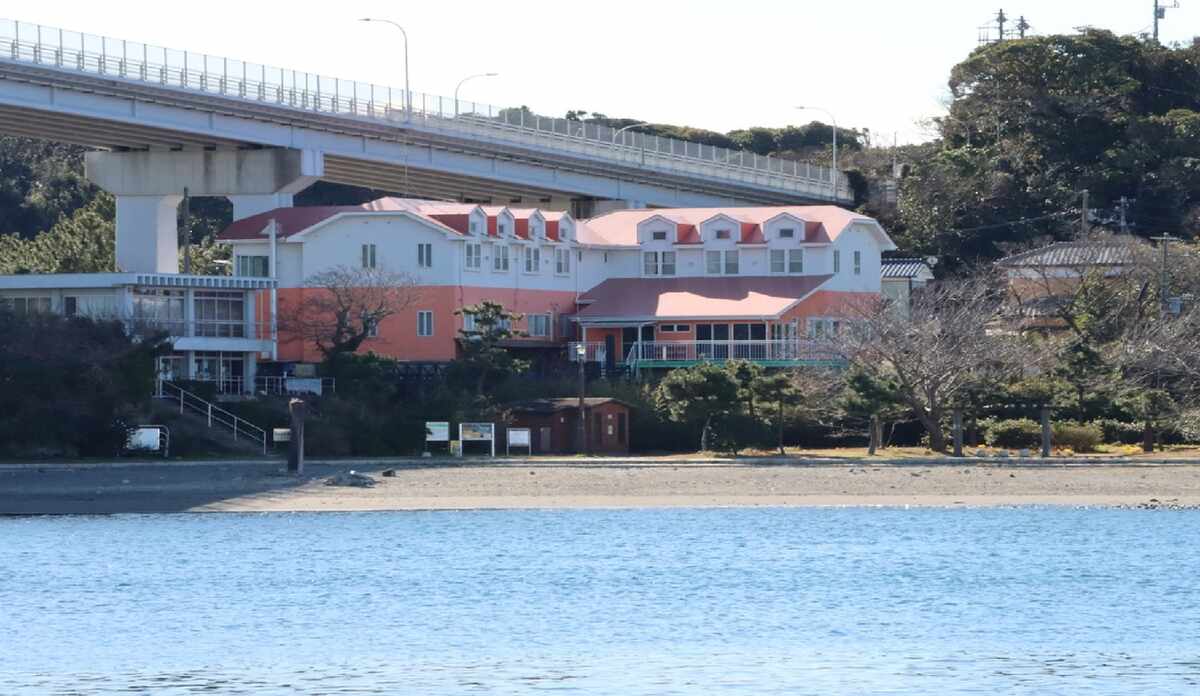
point(601, 207)
point(149, 184)
point(147, 234)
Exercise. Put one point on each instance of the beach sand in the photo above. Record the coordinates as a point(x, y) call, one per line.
point(471, 487)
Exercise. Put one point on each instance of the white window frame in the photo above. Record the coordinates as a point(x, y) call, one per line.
point(562, 261)
point(650, 263)
point(372, 329)
point(837, 261)
point(857, 262)
point(539, 325)
point(779, 255)
point(474, 256)
point(723, 234)
point(533, 260)
point(246, 263)
point(658, 235)
point(737, 263)
point(500, 258)
point(425, 255)
point(368, 256)
point(791, 232)
point(424, 323)
point(667, 263)
point(468, 321)
point(709, 256)
point(795, 261)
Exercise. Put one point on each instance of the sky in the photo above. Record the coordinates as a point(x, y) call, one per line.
point(876, 64)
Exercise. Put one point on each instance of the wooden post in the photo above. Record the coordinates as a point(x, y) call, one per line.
point(958, 433)
point(873, 440)
point(297, 409)
point(1046, 432)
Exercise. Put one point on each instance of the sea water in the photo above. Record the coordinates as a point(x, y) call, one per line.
point(672, 601)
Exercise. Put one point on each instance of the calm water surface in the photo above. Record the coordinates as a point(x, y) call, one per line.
point(762, 601)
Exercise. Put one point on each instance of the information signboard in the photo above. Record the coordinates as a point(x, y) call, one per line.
point(437, 431)
point(519, 437)
point(478, 432)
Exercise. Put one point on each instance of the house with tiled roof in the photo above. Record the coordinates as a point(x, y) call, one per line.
point(901, 277)
point(636, 288)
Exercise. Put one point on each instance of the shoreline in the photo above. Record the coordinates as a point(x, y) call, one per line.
point(264, 487)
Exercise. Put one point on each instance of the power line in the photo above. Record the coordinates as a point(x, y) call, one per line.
point(1022, 221)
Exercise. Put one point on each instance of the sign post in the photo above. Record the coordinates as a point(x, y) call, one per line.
point(519, 437)
point(478, 432)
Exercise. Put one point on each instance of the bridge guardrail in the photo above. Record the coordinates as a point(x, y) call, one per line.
point(232, 78)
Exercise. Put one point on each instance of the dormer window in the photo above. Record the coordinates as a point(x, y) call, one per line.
point(722, 234)
point(501, 230)
point(787, 233)
point(659, 236)
point(474, 227)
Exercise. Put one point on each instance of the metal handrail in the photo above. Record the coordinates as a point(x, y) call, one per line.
point(721, 351)
point(279, 385)
point(236, 79)
point(214, 413)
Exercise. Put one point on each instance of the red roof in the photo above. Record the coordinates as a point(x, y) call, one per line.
point(697, 298)
point(752, 234)
point(686, 234)
point(823, 223)
point(454, 216)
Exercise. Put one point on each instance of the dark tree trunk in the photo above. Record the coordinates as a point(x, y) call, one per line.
point(1148, 437)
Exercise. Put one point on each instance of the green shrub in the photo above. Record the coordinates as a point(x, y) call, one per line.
point(1080, 437)
point(1119, 432)
point(1015, 433)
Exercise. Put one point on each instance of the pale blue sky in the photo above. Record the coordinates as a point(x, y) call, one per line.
point(880, 64)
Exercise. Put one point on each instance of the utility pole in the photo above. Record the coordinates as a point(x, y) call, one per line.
point(1162, 279)
point(187, 233)
point(1160, 13)
point(1083, 218)
point(1022, 26)
point(1124, 205)
point(1000, 20)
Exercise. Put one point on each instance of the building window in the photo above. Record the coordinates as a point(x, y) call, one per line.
point(500, 257)
point(164, 309)
point(650, 263)
point(533, 259)
point(425, 323)
point(368, 256)
point(253, 266)
point(474, 256)
point(468, 321)
point(858, 263)
point(425, 255)
point(712, 260)
point(795, 260)
point(787, 233)
point(731, 263)
point(539, 324)
point(837, 261)
point(778, 261)
point(29, 305)
point(562, 261)
point(675, 328)
point(70, 306)
point(502, 230)
point(823, 328)
point(722, 234)
point(220, 314)
point(668, 263)
point(659, 236)
point(372, 328)
point(474, 227)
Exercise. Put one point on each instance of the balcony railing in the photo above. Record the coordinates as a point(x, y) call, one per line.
point(594, 351)
point(218, 328)
point(252, 82)
point(295, 385)
point(779, 351)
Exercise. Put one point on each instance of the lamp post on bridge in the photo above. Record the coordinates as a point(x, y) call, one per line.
point(460, 84)
point(407, 91)
point(622, 129)
point(832, 119)
point(581, 356)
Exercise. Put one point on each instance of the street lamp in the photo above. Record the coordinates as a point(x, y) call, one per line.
point(460, 84)
point(622, 129)
point(834, 121)
point(580, 355)
point(407, 91)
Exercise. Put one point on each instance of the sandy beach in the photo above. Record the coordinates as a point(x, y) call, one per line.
point(219, 487)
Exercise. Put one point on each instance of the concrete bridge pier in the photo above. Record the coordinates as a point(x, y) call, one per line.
point(149, 185)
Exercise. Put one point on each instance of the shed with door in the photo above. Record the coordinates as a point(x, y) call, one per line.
point(554, 424)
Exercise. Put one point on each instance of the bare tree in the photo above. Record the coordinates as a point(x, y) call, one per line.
point(342, 307)
point(929, 358)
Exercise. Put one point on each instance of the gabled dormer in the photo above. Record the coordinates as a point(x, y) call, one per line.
point(530, 223)
point(657, 230)
point(501, 223)
point(465, 219)
point(721, 230)
point(785, 229)
point(559, 226)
